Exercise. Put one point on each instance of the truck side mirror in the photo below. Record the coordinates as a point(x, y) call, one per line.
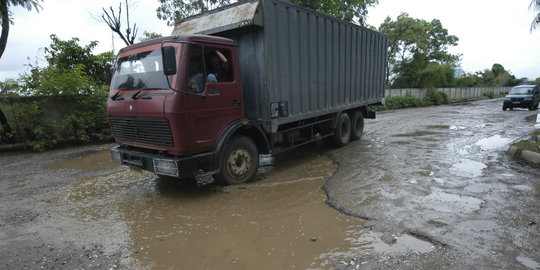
point(168, 54)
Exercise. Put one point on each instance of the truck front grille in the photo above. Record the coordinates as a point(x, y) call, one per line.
point(155, 131)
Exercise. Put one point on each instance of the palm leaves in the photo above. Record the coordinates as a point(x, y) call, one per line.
point(535, 6)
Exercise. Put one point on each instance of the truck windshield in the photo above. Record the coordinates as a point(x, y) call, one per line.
point(142, 71)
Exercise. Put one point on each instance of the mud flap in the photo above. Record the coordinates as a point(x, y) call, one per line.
point(370, 114)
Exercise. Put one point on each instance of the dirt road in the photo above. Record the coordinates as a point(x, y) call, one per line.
point(427, 188)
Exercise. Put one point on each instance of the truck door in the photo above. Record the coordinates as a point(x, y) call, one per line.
point(212, 72)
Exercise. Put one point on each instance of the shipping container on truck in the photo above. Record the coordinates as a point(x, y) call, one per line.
point(290, 76)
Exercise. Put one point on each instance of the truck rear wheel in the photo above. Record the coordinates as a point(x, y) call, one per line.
point(239, 162)
point(342, 134)
point(357, 121)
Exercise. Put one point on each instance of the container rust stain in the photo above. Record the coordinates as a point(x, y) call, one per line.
point(278, 222)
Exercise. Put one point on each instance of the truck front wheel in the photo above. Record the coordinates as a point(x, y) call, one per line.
point(239, 162)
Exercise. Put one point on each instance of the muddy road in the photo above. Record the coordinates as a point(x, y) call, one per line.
point(428, 188)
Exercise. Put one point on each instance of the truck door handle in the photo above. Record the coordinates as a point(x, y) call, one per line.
point(236, 102)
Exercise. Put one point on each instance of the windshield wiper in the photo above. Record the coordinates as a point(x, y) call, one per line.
point(117, 96)
point(136, 94)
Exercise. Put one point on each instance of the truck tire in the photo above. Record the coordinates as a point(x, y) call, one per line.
point(239, 162)
point(357, 121)
point(342, 134)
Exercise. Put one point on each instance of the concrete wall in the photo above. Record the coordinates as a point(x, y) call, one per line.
point(452, 93)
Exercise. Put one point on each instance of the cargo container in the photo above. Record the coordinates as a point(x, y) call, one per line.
point(254, 77)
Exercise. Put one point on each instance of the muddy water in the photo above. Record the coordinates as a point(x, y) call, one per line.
point(278, 222)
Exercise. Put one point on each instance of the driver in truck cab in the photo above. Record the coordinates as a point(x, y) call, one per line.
point(218, 67)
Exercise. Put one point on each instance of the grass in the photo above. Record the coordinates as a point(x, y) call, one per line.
point(531, 145)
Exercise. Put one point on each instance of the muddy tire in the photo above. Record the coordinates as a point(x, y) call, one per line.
point(504, 108)
point(357, 121)
point(239, 162)
point(342, 134)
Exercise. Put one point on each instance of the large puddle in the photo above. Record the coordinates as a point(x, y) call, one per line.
point(278, 222)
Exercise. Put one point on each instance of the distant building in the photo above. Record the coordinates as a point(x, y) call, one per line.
point(458, 72)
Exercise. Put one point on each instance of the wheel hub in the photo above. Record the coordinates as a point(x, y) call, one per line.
point(239, 162)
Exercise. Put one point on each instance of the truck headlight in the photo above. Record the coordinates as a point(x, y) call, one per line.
point(166, 167)
point(507, 99)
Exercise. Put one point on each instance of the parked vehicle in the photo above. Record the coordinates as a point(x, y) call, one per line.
point(522, 96)
point(255, 77)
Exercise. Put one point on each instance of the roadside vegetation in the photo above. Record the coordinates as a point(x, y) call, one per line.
point(74, 83)
point(531, 145)
point(433, 97)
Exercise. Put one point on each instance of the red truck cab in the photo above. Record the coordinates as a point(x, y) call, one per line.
point(170, 124)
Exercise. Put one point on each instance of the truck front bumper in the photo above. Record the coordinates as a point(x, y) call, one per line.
point(159, 164)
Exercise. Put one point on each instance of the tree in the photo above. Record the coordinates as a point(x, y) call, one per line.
point(537, 81)
point(149, 36)
point(5, 16)
point(496, 76)
point(535, 6)
point(72, 69)
point(420, 73)
point(468, 80)
point(115, 23)
point(175, 10)
point(416, 45)
point(348, 10)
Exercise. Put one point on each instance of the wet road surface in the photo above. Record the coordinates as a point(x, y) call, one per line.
point(442, 173)
point(425, 188)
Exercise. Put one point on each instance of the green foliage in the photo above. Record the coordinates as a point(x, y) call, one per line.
point(433, 97)
point(9, 87)
point(436, 97)
point(468, 80)
point(6, 134)
point(149, 36)
point(489, 94)
point(497, 76)
point(175, 10)
point(88, 123)
point(392, 103)
point(55, 81)
point(348, 10)
point(419, 73)
point(418, 49)
point(537, 81)
point(75, 81)
point(66, 55)
point(28, 126)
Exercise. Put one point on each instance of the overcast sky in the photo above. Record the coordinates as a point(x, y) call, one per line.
point(489, 31)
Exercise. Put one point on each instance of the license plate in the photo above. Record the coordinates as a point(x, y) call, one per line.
point(515, 102)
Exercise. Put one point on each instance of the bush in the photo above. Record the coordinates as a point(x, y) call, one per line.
point(433, 97)
point(88, 122)
point(28, 126)
point(489, 93)
point(436, 97)
point(392, 103)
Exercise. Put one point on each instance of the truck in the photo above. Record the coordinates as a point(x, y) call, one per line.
point(251, 78)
